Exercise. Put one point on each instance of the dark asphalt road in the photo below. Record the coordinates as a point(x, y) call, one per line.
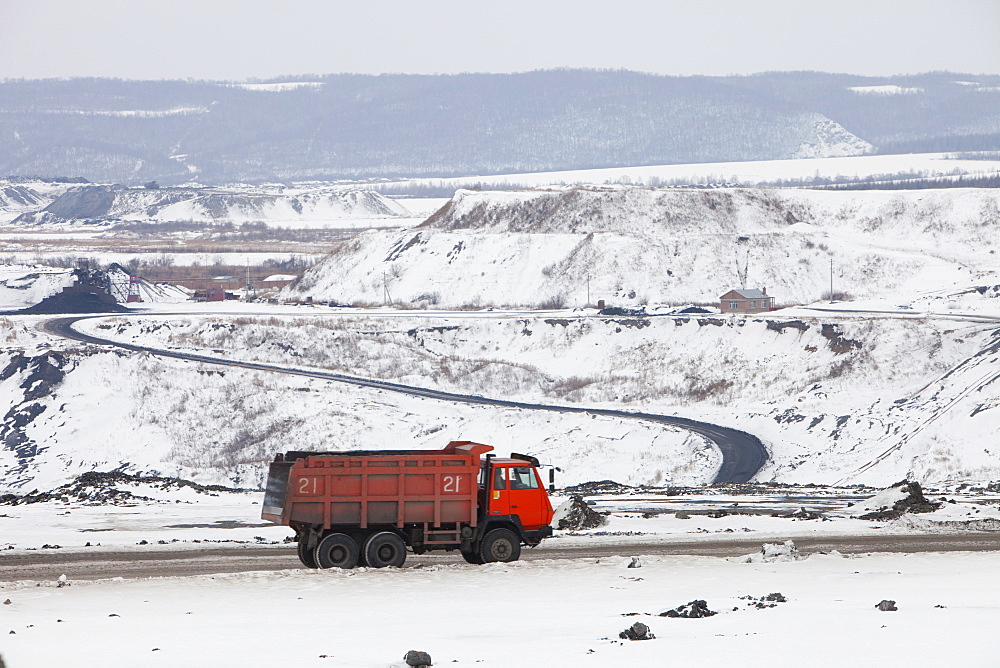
point(48, 565)
point(743, 454)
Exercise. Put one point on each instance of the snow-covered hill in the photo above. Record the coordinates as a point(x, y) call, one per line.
point(20, 196)
point(643, 245)
point(298, 207)
point(22, 286)
point(834, 397)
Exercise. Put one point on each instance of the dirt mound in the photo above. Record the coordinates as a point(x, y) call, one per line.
point(912, 501)
point(600, 487)
point(576, 514)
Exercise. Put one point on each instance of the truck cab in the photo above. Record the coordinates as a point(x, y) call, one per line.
point(515, 490)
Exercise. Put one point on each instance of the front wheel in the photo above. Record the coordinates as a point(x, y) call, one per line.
point(385, 549)
point(336, 550)
point(500, 545)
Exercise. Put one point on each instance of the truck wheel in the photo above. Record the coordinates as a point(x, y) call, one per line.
point(307, 556)
point(500, 545)
point(385, 549)
point(471, 557)
point(336, 550)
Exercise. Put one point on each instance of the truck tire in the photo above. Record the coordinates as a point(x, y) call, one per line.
point(500, 545)
point(385, 549)
point(307, 556)
point(471, 557)
point(336, 550)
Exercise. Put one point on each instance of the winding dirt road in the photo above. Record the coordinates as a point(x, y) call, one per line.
point(743, 454)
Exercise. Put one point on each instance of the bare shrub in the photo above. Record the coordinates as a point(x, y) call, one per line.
point(553, 303)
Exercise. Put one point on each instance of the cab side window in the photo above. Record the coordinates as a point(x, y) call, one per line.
point(499, 478)
point(523, 477)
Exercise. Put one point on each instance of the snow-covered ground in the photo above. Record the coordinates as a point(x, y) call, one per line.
point(546, 611)
point(748, 173)
point(535, 613)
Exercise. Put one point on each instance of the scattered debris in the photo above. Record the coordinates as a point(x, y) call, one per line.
point(417, 658)
point(575, 514)
point(637, 631)
point(800, 514)
point(693, 610)
point(770, 601)
point(886, 605)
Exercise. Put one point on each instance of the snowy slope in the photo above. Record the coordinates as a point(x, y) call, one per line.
point(643, 245)
point(299, 207)
point(105, 410)
point(20, 196)
point(25, 285)
point(835, 398)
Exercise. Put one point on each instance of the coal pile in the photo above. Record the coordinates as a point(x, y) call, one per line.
point(575, 514)
point(637, 631)
point(693, 610)
point(82, 302)
point(417, 659)
point(600, 487)
point(913, 502)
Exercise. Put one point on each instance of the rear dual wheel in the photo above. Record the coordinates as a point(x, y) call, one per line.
point(336, 550)
point(306, 555)
point(385, 549)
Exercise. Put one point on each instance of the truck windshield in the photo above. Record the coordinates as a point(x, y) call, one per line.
point(523, 477)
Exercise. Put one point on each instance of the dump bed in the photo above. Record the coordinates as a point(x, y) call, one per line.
point(373, 488)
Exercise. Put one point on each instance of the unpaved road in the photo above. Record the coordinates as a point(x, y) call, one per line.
point(48, 565)
point(743, 454)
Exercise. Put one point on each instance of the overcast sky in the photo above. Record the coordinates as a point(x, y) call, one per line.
point(241, 39)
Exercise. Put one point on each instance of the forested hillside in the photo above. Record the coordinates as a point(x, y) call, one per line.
point(358, 126)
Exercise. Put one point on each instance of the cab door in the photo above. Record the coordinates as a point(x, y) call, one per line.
point(526, 497)
point(499, 496)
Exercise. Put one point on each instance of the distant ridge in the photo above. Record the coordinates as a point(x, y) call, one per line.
point(360, 126)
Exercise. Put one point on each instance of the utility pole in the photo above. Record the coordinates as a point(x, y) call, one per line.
point(386, 297)
point(588, 291)
point(831, 278)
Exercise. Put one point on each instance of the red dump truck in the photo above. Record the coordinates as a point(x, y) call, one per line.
point(367, 507)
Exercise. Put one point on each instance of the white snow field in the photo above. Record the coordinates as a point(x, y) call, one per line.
point(545, 612)
point(538, 613)
point(748, 173)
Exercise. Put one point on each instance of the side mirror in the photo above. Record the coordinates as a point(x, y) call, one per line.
point(552, 479)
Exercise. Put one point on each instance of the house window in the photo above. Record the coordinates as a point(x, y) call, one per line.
point(753, 304)
point(734, 304)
